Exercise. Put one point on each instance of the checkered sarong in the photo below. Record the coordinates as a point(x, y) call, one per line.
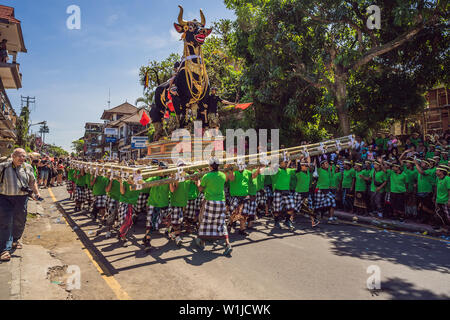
point(176, 215)
point(141, 204)
point(89, 195)
point(112, 207)
point(69, 186)
point(100, 201)
point(250, 207)
point(227, 196)
point(199, 201)
point(268, 192)
point(300, 198)
point(190, 212)
point(234, 203)
point(212, 225)
point(155, 216)
point(324, 199)
point(125, 218)
point(283, 200)
point(80, 194)
point(261, 198)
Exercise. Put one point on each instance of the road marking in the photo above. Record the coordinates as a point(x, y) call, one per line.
point(110, 280)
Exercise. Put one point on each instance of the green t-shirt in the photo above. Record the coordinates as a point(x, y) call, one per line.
point(179, 198)
point(239, 186)
point(259, 180)
point(282, 179)
point(81, 181)
point(347, 178)
point(192, 190)
point(70, 175)
point(303, 181)
point(88, 180)
point(360, 183)
point(443, 185)
point(429, 155)
point(425, 181)
point(130, 197)
point(267, 180)
point(214, 183)
point(336, 179)
point(100, 185)
point(252, 183)
point(158, 195)
point(324, 181)
point(380, 177)
point(411, 178)
point(398, 182)
point(114, 193)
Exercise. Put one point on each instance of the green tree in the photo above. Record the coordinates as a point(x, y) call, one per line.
point(78, 145)
point(158, 73)
point(327, 49)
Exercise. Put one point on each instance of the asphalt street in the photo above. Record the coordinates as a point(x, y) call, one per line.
point(330, 262)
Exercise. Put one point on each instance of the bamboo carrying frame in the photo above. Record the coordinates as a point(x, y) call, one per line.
point(175, 174)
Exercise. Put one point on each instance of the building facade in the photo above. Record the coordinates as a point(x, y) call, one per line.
point(11, 43)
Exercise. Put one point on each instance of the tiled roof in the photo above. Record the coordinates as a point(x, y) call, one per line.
point(7, 13)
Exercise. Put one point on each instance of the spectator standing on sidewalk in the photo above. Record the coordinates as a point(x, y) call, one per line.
point(17, 182)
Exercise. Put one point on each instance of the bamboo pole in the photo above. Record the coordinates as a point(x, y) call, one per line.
point(152, 171)
point(226, 168)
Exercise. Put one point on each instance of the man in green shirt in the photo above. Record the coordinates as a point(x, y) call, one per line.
point(70, 182)
point(348, 186)
point(240, 181)
point(361, 179)
point(212, 223)
point(80, 194)
point(261, 195)
point(112, 202)
point(398, 180)
point(324, 198)
point(442, 213)
point(178, 201)
point(128, 198)
point(411, 174)
point(158, 202)
point(99, 184)
point(302, 196)
point(191, 212)
point(425, 177)
point(282, 197)
point(377, 188)
point(336, 184)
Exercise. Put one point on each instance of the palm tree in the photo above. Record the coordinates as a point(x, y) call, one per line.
point(146, 101)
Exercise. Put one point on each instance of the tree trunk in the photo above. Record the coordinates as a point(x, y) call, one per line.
point(340, 104)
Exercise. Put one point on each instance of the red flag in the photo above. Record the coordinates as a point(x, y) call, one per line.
point(243, 106)
point(145, 120)
point(167, 115)
point(146, 80)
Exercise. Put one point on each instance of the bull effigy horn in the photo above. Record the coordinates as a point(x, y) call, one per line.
point(180, 17)
point(203, 17)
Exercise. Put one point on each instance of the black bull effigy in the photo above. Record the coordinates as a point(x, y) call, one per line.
point(191, 79)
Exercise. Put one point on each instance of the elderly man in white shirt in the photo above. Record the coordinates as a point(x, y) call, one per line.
point(17, 183)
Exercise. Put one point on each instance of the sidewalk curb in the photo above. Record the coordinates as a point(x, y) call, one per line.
point(390, 225)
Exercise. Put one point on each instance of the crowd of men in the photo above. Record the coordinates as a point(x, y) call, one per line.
point(372, 179)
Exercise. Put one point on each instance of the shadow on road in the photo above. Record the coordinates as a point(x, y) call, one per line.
point(399, 289)
point(347, 240)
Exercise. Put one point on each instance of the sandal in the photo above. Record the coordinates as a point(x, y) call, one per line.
point(5, 256)
point(17, 245)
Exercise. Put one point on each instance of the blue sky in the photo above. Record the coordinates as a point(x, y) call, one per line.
point(70, 71)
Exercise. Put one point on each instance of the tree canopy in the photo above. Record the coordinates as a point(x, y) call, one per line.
point(318, 60)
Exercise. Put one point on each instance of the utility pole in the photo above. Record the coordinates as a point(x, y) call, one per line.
point(23, 125)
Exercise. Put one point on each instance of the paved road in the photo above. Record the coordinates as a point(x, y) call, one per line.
point(328, 263)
